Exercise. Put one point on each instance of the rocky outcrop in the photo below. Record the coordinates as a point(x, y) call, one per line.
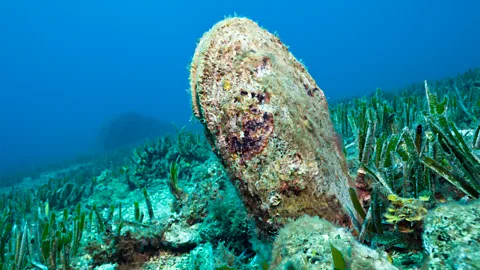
point(307, 244)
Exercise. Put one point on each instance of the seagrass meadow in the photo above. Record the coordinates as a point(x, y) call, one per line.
point(413, 156)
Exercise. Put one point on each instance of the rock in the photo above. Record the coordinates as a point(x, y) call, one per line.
point(201, 258)
point(305, 244)
point(107, 266)
point(451, 236)
point(181, 237)
point(268, 122)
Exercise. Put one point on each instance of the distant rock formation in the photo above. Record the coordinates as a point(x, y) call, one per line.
point(131, 127)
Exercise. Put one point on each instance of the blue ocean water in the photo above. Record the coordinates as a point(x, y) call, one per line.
point(90, 89)
point(68, 67)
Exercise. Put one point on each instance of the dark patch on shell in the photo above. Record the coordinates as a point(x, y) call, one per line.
point(261, 98)
point(257, 126)
point(310, 91)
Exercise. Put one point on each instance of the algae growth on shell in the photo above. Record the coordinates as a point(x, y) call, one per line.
point(268, 122)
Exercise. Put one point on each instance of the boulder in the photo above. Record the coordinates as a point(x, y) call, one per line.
point(307, 244)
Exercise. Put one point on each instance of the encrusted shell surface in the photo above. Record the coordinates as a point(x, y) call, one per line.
point(268, 122)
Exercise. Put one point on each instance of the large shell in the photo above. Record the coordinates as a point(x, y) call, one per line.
point(268, 122)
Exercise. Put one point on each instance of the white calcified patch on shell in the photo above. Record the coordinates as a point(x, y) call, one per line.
point(275, 199)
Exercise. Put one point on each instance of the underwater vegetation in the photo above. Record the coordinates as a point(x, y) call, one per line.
point(168, 197)
point(410, 151)
point(404, 174)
